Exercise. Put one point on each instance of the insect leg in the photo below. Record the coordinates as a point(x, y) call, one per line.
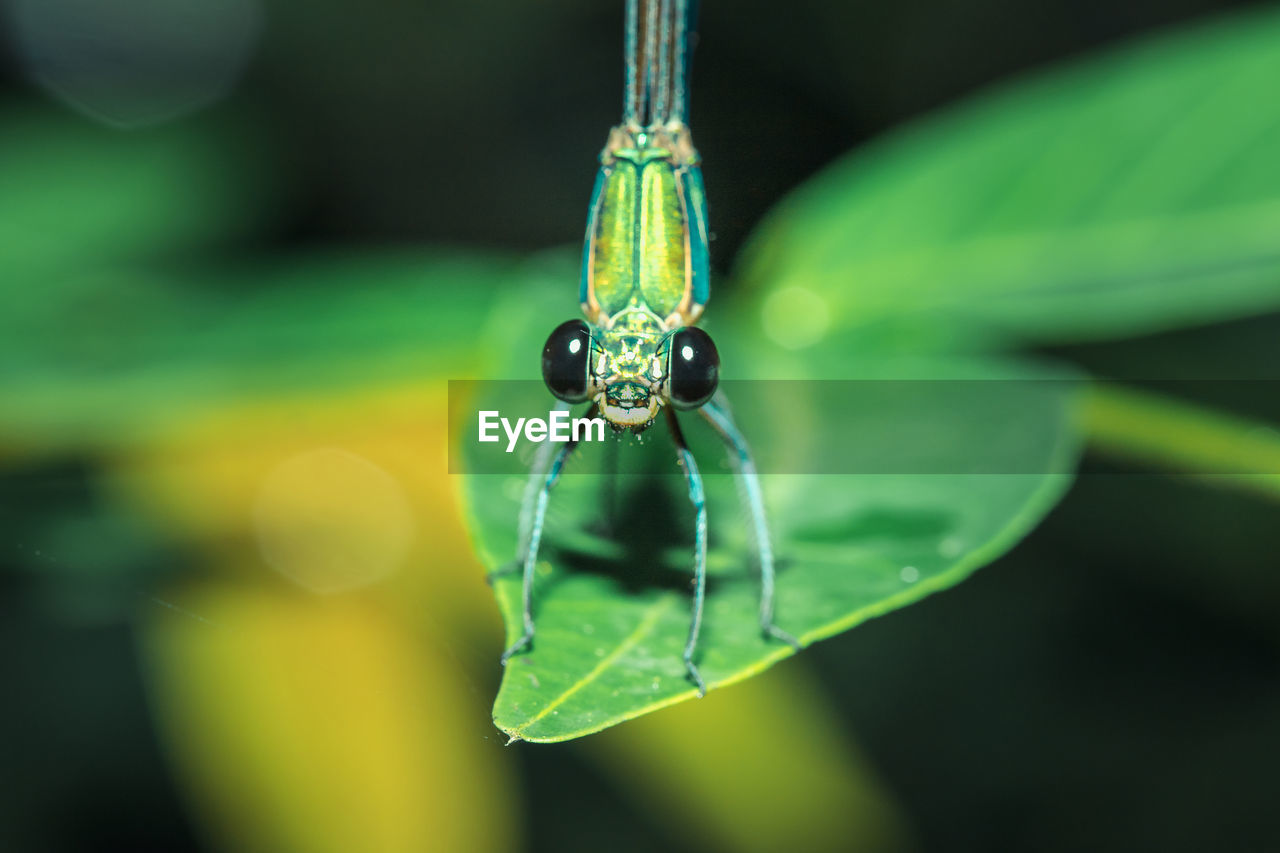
point(610, 497)
point(697, 498)
point(533, 514)
point(542, 462)
point(717, 412)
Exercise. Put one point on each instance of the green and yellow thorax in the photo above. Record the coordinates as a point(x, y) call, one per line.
point(645, 266)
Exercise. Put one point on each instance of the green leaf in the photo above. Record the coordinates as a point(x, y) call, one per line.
point(1164, 432)
point(114, 353)
point(78, 195)
point(612, 595)
point(1135, 191)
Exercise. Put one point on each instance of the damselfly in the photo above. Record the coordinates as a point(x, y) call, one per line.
point(645, 280)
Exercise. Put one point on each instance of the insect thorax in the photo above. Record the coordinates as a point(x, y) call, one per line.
point(646, 233)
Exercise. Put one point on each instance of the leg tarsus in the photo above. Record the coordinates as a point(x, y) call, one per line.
point(526, 640)
point(510, 568)
point(694, 675)
point(772, 631)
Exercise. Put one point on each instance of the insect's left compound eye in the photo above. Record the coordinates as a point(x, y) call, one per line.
point(693, 368)
point(565, 361)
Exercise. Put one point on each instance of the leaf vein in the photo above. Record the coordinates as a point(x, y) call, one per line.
point(656, 611)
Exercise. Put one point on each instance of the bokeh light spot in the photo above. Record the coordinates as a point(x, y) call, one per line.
point(135, 62)
point(331, 521)
point(795, 317)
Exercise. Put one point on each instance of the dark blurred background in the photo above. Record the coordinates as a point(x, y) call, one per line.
point(1085, 692)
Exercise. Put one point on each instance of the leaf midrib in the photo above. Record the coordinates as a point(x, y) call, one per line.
point(652, 616)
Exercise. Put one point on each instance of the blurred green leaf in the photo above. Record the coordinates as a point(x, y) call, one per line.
point(123, 351)
point(1139, 190)
point(1164, 432)
point(78, 195)
point(612, 596)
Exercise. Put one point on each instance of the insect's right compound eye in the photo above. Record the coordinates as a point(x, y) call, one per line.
point(566, 361)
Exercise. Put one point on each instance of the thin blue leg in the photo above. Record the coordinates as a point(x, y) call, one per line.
point(547, 466)
point(698, 499)
point(610, 498)
point(538, 518)
point(542, 461)
point(717, 412)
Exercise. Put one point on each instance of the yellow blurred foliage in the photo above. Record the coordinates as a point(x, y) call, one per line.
point(301, 723)
point(761, 765)
point(316, 707)
point(308, 695)
point(334, 492)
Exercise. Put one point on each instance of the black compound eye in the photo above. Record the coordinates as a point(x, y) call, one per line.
point(565, 361)
point(693, 367)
